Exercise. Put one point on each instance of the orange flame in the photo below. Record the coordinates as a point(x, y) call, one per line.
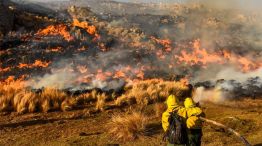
point(198, 56)
point(55, 49)
point(82, 69)
point(164, 42)
point(59, 29)
point(5, 69)
point(91, 29)
point(119, 74)
point(37, 63)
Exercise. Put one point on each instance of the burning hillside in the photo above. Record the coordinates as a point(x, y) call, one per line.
point(78, 49)
point(95, 72)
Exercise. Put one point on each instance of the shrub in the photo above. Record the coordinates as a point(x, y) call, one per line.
point(128, 127)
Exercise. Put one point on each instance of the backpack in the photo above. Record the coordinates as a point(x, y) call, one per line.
point(177, 131)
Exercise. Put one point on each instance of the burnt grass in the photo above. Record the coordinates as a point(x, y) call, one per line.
point(81, 127)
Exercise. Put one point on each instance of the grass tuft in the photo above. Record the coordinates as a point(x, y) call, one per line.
point(128, 127)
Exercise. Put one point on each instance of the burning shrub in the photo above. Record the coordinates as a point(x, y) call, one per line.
point(128, 127)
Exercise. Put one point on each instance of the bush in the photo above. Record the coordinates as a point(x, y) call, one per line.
point(128, 127)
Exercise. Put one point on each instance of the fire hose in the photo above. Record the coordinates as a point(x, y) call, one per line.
point(228, 129)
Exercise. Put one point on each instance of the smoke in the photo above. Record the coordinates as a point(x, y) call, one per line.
point(128, 51)
point(233, 74)
point(230, 84)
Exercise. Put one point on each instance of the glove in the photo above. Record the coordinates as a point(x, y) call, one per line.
point(193, 122)
point(194, 111)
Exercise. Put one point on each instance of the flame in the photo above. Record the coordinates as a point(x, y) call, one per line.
point(37, 63)
point(166, 43)
point(55, 49)
point(119, 74)
point(59, 29)
point(247, 65)
point(23, 65)
point(140, 74)
point(81, 49)
point(10, 79)
point(91, 29)
point(184, 81)
point(160, 54)
point(82, 69)
point(7, 69)
point(100, 75)
point(244, 63)
point(17, 82)
point(198, 56)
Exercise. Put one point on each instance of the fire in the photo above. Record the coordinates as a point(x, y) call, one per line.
point(198, 56)
point(91, 29)
point(7, 69)
point(55, 49)
point(23, 65)
point(82, 49)
point(244, 63)
point(37, 63)
point(166, 43)
point(10, 79)
point(119, 74)
point(82, 69)
point(184, 81)
point(140, 74)
point(16, 82)
point(247, 65)
point(100, 75)
point(59, 29)
point(160, 54)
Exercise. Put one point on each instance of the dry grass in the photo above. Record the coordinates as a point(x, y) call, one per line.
point(128, 127)
point(150, 91)
point(15, 97)
point(159, 108)
point(101, 99)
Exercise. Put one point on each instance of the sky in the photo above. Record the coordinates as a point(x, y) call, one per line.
point(242, 4)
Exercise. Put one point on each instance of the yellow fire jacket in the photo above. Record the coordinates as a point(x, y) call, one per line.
point(193, 113)
point(172, 105)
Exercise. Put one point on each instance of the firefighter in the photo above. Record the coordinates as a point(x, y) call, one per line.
point(172, 106)
point(194, 124)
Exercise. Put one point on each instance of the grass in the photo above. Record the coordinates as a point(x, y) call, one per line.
point(121, 125)
point(14, 96)
point(150, 91)
point(127, 127)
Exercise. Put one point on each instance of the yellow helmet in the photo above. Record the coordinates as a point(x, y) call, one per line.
point(172, 102)
point(189, 103)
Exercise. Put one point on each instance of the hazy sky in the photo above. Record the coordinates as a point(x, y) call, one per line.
point(243, 4)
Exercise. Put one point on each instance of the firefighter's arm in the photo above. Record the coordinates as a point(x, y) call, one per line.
point(194, 111)
point(193, 120)
point(165, 122)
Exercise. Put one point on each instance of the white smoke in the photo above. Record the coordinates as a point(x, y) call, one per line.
point(233, 74)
